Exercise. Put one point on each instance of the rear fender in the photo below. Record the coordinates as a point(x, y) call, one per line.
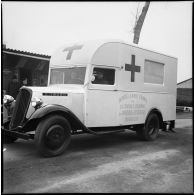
point(159, 114)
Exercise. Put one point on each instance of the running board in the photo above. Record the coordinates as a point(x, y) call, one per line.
point(105, 132)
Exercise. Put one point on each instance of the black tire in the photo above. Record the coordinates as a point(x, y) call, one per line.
point(9, 139)
point(52, 135)
point(150, 130)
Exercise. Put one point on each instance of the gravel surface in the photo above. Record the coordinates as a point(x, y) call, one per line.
point(111, 163)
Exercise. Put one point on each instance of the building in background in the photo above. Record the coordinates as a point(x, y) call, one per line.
point(184, 93)
point(31, 67)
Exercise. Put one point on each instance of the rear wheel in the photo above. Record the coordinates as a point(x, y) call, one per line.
point(52, 135)
point(150, 130)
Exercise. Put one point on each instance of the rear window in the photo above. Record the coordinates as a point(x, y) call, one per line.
point(153, 72)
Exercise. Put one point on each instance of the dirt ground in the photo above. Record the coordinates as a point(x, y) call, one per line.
point(111, 163)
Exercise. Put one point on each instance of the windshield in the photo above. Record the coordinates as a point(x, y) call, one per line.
point(73, 75)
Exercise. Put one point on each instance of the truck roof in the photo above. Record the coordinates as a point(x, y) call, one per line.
point(82, 53)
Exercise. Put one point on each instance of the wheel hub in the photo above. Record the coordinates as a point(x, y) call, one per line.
point(55, 137)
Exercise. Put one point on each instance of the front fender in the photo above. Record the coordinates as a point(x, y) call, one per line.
point(47, 109)
point(56, 109)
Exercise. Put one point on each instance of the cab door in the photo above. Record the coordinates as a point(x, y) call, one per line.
point(101, 97)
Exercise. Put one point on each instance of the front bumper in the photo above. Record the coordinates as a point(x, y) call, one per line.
point(16, 133)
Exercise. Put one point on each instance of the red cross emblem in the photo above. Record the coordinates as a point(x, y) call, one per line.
point(133, 68)
point(71, 49)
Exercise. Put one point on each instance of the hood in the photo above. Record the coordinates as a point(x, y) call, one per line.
point(59, 88)
point(69, 96)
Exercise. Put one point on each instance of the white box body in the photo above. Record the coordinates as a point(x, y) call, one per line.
point(143, 80)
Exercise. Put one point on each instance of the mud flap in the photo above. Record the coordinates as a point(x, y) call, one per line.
point(169, 126)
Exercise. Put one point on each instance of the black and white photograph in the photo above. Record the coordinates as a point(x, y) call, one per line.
point(97, 97)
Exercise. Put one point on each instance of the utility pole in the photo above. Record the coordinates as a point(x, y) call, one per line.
point(139, 23)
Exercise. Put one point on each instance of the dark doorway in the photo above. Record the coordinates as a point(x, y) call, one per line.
point(25, 74)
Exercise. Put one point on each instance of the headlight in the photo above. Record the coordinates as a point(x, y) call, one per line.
point(36, 102)
point(7, 99)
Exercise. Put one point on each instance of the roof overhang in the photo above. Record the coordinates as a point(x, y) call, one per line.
point(27, 55)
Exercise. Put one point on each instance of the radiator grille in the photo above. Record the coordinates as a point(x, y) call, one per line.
point(21, 107)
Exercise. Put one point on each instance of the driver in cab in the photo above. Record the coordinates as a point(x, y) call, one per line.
point(99, 78)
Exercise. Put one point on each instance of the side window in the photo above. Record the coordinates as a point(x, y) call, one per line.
point(104, 76)
point(154, 72)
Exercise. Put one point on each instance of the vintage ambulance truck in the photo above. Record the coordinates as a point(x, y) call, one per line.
point(97, 87)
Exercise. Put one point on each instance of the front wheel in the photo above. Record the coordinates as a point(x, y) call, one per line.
point(150, 130)
point(52, 135)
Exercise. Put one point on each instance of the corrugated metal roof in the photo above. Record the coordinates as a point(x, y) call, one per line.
point(14, 51)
